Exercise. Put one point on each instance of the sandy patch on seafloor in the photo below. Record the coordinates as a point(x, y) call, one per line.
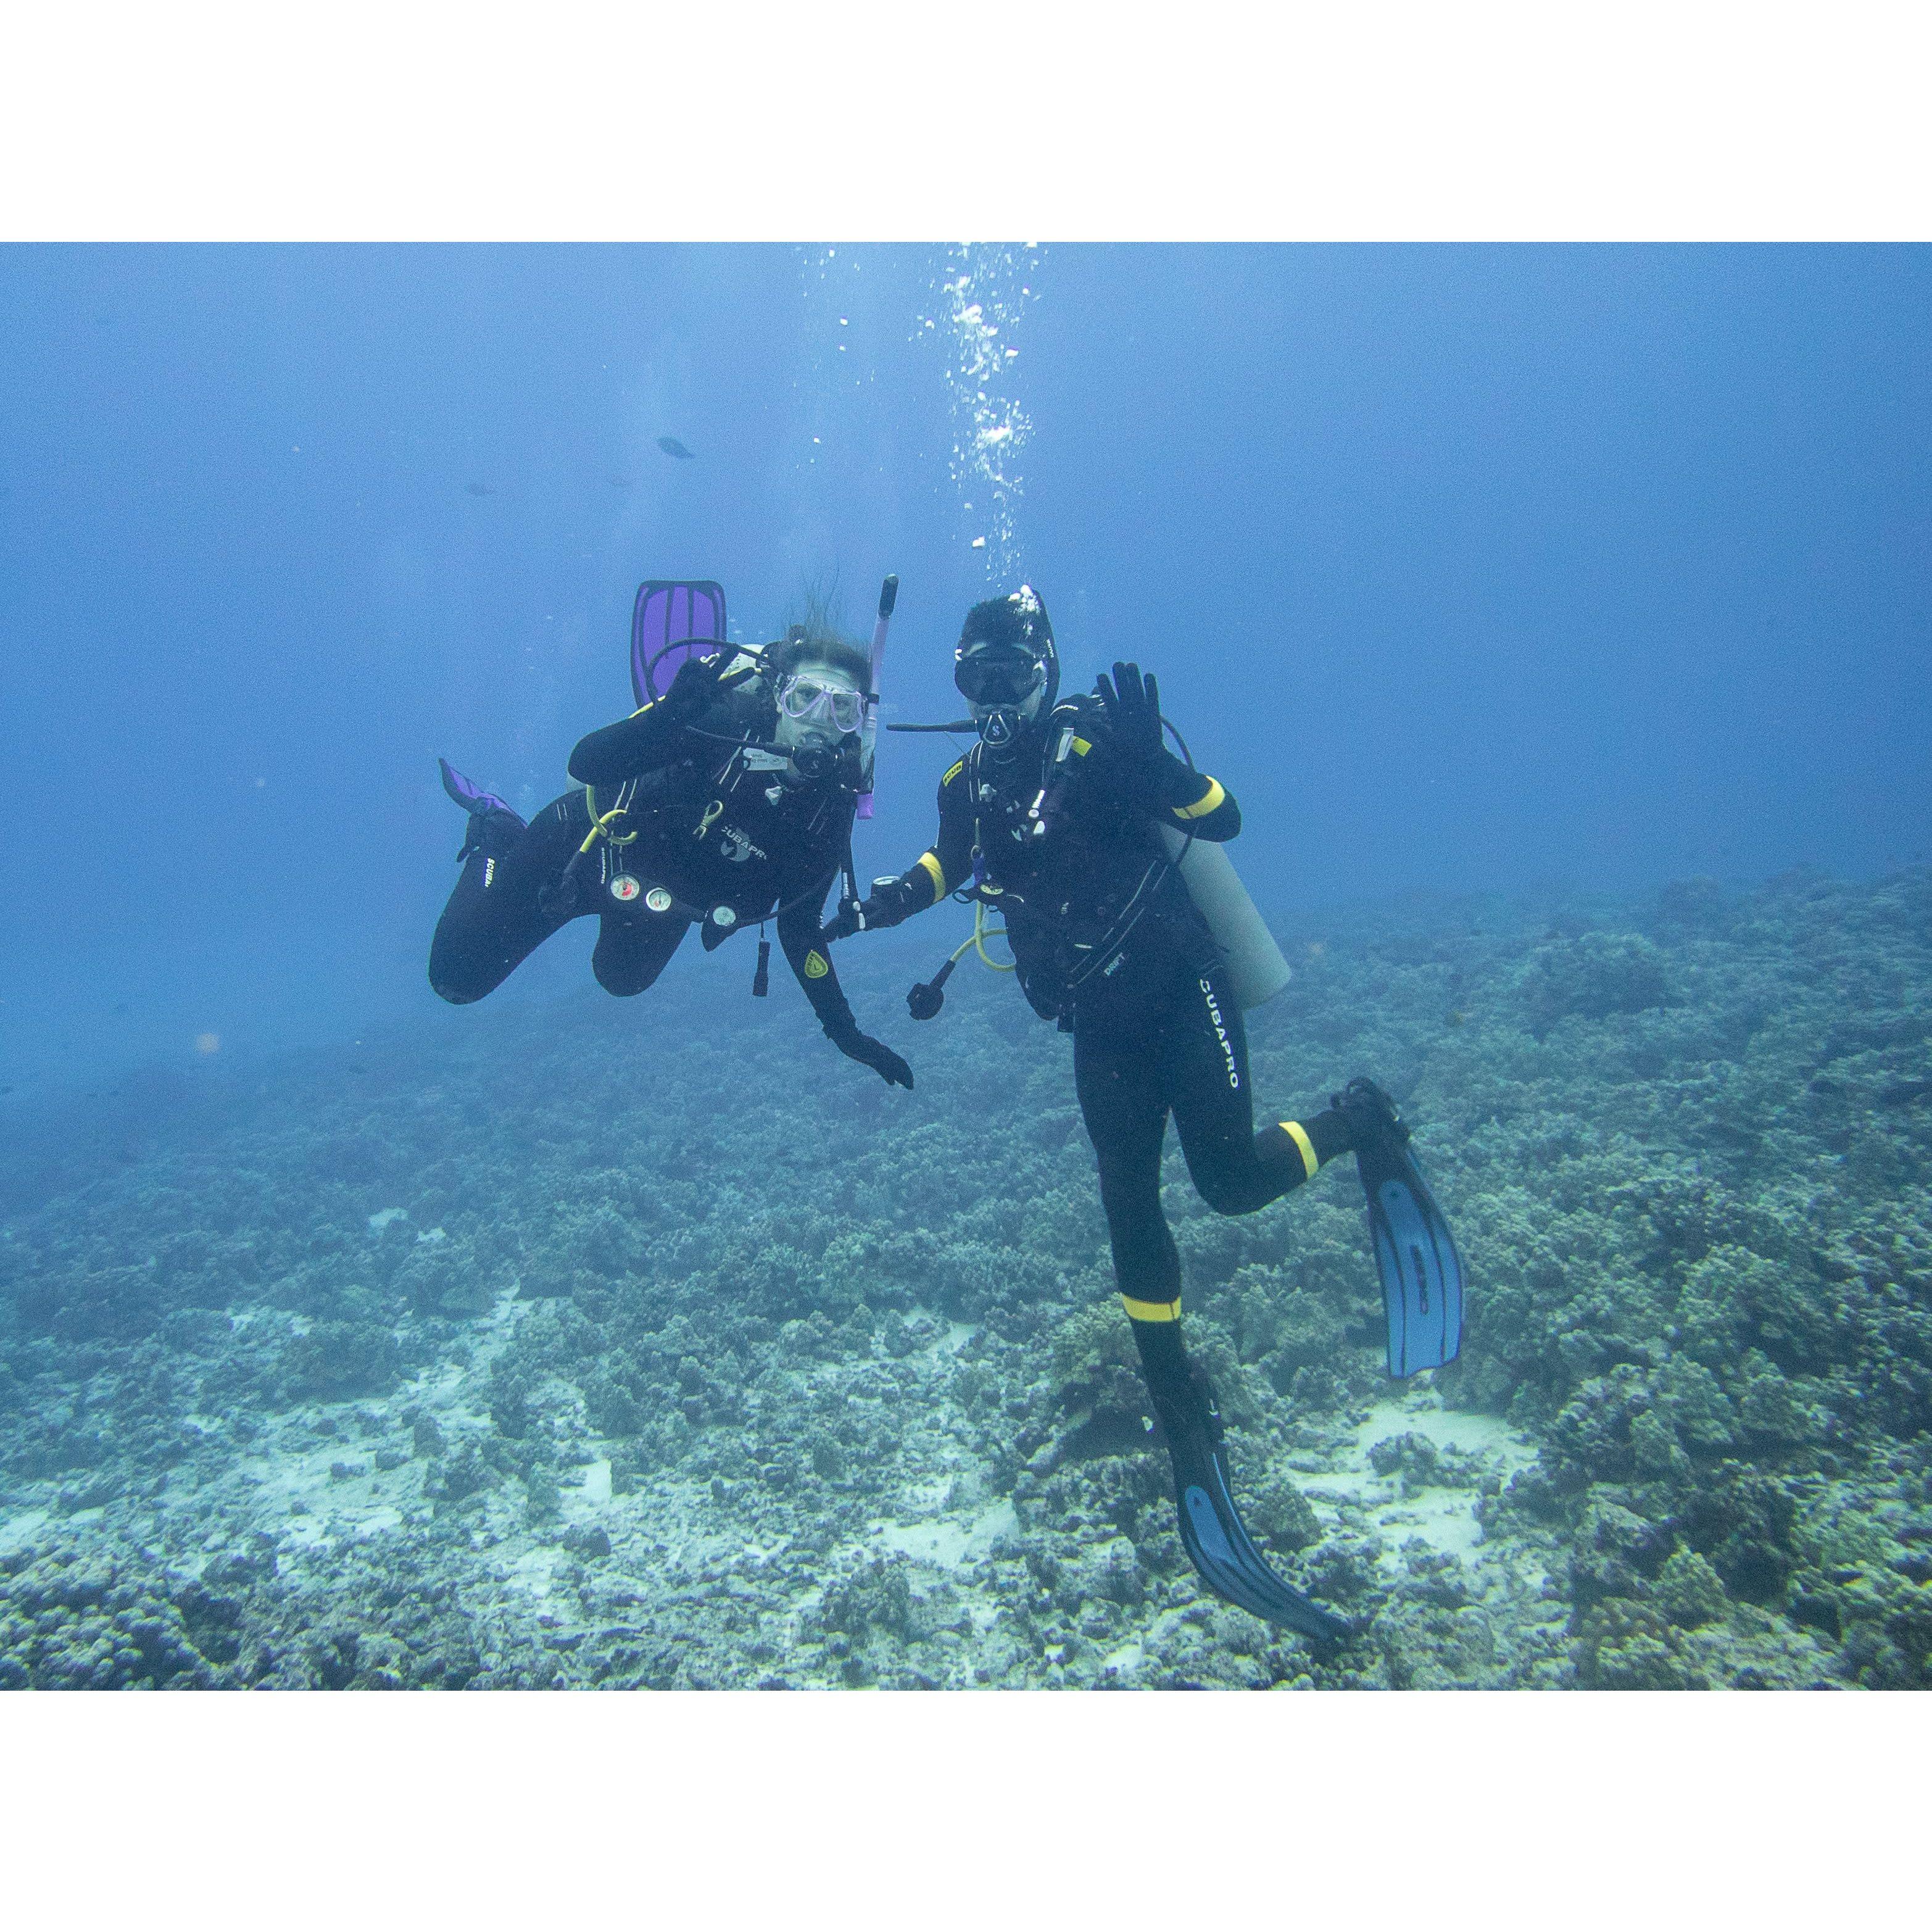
point(21, 1528)
point(954, 1542)
point(1350, 1491)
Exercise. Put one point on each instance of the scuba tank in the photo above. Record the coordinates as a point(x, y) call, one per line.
point(1256, 970)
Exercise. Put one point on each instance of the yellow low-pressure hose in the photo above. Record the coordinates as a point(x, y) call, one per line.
point(600, 826)
point(982, 932)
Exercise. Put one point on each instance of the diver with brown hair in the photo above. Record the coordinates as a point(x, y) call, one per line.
point(726, 802)
point(1077, 824)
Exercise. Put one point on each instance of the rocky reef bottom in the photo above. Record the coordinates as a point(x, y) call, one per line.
point(646, 1344)
point(399, 1541)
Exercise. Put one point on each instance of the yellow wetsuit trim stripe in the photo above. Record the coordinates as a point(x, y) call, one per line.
point(1151, 1311)
point(954, 772)
point(1210, 800)
point(930, 860)
point(1296, 1132)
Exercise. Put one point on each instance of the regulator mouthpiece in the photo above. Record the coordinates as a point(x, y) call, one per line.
point(1000, 727)
point(924, 1002)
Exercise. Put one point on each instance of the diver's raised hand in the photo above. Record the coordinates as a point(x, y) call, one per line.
point(1133, 706)
point(694, 686)
point(875, 1054)
point(1129, 754)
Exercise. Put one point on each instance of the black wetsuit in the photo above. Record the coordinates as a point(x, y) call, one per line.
point(1063, 832)
point(1107, 943)
point(697, 821)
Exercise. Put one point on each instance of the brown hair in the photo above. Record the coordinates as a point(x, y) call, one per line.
point(829, 649)
point(814, 635)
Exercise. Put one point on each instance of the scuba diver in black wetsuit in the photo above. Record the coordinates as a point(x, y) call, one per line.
point(728, 801)
point(1054, 818)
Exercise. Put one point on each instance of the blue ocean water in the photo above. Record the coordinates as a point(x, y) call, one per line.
point(1477, 567)
point(1557, 615)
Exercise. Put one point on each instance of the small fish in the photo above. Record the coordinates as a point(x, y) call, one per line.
point(671, 446)
point(1456, 1018)
point(618, 482)
point(480, 490)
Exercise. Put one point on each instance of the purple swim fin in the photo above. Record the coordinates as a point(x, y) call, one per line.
point(669, 622)
point(485, 808)
point(478, 804)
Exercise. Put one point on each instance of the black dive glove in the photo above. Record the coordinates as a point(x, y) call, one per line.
point(694, 686)
point(890, 902)
point(869, 1052)
point(1135, 754)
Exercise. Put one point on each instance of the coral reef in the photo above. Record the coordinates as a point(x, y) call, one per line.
point(513, 1352)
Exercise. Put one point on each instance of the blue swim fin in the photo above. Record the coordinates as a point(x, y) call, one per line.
point(1415, 1252)
point(1212, 1532)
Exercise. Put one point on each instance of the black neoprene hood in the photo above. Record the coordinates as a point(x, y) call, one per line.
point(1019, 622)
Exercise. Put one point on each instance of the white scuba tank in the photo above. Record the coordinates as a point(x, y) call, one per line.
point(1256, 970)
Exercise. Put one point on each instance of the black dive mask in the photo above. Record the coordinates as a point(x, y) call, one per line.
point(998, 676)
